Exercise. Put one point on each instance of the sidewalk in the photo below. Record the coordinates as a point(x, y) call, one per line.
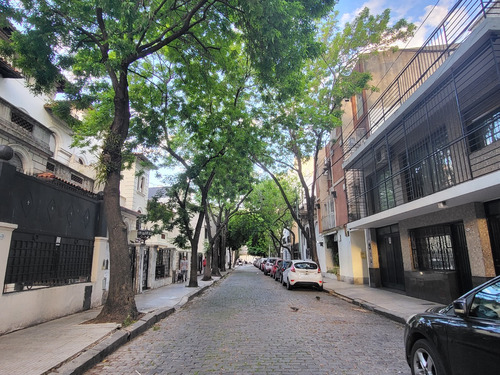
point(39, 349)
point(392, 305)
point(66, 346)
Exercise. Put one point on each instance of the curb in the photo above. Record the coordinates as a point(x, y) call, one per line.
point(88, 358)
point(368, 306)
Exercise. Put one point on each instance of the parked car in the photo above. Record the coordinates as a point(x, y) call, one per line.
point(262, 264)
point(461, 338)
point(302, 273)
point(258, 264)
point(278, 276)
point(269, 265)
point(274, 267)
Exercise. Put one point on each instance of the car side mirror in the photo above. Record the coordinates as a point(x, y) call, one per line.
point(460, 307)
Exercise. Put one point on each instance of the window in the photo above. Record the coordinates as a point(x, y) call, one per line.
point(360, 110)
point(76, 179)
point(432, 248)
point(162, 263)
point(306, 266)
point(141, 182)
point(19, 119)
point(430, 166)
point(380, 191)
point(486, 303)
point(50, 167)
point(484, 132)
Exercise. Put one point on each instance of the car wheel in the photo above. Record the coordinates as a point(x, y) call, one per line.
point(320, 288)
point(288, 285)
point(424, 360)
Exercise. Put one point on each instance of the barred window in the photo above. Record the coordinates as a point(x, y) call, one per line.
point(484, 131)
point(432, 248)
point(76, 179)
point(20, 120)
point(50, 167)
point(162, 263)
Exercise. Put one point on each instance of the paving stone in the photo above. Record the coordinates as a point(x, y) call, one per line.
point(246, 325)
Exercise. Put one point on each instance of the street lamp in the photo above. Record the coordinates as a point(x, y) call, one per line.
point(144, 234)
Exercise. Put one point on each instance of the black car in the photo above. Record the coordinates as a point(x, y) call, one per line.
point(461, 338)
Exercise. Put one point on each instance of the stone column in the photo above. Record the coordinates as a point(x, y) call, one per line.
point(6, 230)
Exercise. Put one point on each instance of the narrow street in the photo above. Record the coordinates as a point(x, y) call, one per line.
point(250, 324)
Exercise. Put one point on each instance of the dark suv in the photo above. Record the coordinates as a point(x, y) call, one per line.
point(461, 338)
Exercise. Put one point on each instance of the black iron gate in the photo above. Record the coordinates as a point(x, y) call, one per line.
point(145, 267)
point(462, 264)
point(390, 257)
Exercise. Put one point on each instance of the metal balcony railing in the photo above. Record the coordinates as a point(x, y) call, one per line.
point(453, 30)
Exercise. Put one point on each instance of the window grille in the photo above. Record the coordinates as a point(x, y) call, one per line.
point(18, 119)
point(76, 179)
point(162, 263)
point(50, 167)
point(40, 261)
point(432, 248)
point(484, 132)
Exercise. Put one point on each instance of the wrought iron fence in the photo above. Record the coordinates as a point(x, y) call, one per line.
point(41, 261)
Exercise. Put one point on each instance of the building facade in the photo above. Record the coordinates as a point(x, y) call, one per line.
point(422, 176)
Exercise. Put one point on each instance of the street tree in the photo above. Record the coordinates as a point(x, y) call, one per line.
point(267, 201)
point(299, 128)
point(99, 44)
point(230, 191)
point(260, 224)
point(202, 105)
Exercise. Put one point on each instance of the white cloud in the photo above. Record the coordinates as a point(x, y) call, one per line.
point(426, 24)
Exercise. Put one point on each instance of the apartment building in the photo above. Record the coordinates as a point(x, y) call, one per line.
point(422, 164)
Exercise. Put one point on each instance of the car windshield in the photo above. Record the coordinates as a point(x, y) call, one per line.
point(306, 266)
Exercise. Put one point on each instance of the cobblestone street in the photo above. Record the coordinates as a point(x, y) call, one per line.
point(250, 324)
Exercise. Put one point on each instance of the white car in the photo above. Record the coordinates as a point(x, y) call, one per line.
point(303, 273)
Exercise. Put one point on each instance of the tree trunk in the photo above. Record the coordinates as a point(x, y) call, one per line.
point(193, 272)
point(207, 273)
point(223, 249)
point(120, 304)
point(215, 260)
point(311, 238)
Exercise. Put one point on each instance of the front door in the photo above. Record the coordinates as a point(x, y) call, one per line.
point(390, 257)
point(493, 215)
point(461, 254)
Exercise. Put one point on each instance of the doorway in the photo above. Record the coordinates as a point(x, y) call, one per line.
point(390, 257)
point(493, 216)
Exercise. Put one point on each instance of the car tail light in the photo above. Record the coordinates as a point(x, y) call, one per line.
point(319, 270)
point(292, 269)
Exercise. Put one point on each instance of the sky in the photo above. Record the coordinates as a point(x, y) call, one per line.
point(425, 14)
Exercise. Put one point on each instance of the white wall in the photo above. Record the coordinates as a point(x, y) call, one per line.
point(23, 309)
